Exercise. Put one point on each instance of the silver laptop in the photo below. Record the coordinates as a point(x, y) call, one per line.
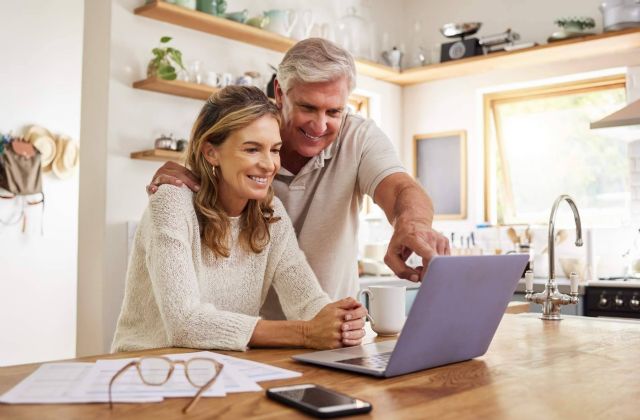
point(453, 318)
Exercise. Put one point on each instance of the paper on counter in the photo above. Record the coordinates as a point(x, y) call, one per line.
point(54, 383)
point(255, 371)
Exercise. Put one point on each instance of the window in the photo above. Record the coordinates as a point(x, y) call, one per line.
point(538, 145)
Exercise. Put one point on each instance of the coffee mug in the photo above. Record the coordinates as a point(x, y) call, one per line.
point(386, 308)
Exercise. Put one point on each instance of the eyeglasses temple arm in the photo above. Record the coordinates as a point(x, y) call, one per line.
point(204, 387)
point(125, 367)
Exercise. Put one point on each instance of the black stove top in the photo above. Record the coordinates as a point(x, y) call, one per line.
point(613, 301)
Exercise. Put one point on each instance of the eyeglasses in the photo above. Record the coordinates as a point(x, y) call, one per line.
point(201, 372)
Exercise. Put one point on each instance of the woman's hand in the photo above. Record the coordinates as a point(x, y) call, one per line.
point(337, 324)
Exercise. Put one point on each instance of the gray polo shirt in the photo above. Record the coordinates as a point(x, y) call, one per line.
point(325, 197)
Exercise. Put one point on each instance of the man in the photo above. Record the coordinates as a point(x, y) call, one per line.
point(329, 159)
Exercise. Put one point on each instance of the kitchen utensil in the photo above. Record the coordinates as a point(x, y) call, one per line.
point(620, 14)
point(258, 21)
point(212, 7)
point(165, 142)
point(511, 233)
point(561, 236)
point(226, 79)
point(386, 308)
point(463, 47)
point(195, 72)
point(497, 42)
point(355, 34)
point(303, 26)
point(240, 16)
point(393, 57)
point(281, 21)
point(455, 30)
point(188, 4)
point(528, 234)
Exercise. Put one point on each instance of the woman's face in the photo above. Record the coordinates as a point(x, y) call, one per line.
point(247, 162)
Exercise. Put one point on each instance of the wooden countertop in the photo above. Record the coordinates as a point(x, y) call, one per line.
point(576, 368)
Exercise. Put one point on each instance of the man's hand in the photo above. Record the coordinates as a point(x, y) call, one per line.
point(174, 174)
point(413, 236)
point(410, 210)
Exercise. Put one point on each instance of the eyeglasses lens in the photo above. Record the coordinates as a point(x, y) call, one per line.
point(201, 371)
point(154, 371)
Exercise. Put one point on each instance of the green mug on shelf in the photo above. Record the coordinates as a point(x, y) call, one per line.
point(212, 7)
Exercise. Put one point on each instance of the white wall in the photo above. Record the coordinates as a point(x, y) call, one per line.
point(41, 42)
point(134, 118)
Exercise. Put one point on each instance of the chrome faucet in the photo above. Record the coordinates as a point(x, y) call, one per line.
point(551, 299)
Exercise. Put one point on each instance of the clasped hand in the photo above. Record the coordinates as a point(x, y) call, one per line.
point(338, 324)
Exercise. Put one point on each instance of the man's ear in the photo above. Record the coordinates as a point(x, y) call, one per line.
point(278, 92)
point(210, 154)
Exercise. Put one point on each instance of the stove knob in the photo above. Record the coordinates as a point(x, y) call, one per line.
point(603, 302)
point(619, 302)
point(634, 302)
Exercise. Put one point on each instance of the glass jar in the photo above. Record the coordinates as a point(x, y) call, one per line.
point(354, 34)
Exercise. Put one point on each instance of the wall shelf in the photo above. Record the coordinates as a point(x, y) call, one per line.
point(571, 49)
point(226, 28)
point(159, 155)
point(176, 87)
point(559, 51)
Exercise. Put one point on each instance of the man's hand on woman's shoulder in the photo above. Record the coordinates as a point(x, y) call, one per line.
point(174, 174)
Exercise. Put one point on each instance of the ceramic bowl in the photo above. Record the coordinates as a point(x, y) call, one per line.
point(240, 16)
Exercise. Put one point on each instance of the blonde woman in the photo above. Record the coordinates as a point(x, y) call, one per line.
point(203, 262)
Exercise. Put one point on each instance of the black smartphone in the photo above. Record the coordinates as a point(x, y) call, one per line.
point(318, 401)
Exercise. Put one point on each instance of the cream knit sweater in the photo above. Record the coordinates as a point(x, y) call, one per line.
point(179, 294)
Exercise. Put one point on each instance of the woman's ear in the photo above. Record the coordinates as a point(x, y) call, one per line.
point(210, 154)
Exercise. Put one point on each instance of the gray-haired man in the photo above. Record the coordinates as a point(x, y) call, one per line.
point(330, 159)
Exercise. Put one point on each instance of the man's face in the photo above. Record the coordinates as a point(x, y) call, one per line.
point(312, 113)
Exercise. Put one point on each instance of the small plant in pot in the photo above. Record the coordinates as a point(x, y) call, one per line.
point(165, 61)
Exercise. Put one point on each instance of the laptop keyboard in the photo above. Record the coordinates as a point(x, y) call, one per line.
point(376, 361)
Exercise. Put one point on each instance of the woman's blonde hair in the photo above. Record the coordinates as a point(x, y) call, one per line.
point(228, 110)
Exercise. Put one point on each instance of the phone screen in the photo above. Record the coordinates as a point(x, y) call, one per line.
point(317, 397)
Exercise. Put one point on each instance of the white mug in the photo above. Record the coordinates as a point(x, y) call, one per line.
point(386, 308)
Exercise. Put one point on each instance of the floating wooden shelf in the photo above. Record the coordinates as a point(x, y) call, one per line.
point(226, 28)
point(559, 51)
point(159, 155)
point(175, 87)
point(571, 49)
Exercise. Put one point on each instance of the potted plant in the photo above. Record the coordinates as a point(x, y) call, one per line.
point(165, 60)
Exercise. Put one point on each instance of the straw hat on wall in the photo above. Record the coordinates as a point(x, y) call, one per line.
point(43, 141)
point(66, 158)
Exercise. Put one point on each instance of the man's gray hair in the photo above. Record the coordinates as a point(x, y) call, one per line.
point(316, 60)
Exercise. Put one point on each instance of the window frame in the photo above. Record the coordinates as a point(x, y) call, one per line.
point(491, 147)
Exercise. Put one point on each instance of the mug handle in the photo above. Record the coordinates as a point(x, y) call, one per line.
point(370, 296)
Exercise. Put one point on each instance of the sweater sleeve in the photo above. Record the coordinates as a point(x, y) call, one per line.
point(299, 292)
point(170, 260)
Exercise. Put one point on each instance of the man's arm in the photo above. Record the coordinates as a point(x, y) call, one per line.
point(410, 211)
point(174, 174)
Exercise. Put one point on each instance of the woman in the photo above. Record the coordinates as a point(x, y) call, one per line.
point(202, 263)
